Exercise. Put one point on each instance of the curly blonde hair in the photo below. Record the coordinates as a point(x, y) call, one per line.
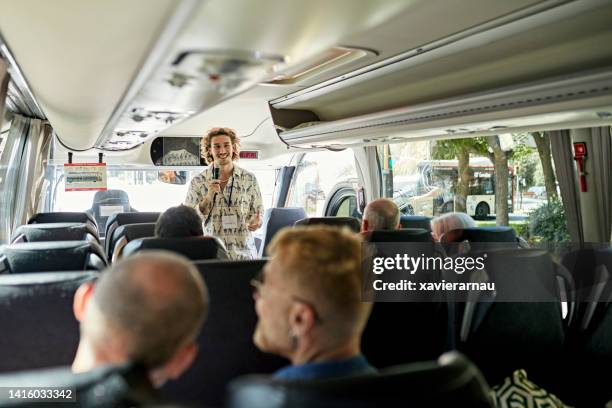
point(205, 143)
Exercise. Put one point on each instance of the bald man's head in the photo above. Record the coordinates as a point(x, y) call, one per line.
point(150, 305)
point(381, 214)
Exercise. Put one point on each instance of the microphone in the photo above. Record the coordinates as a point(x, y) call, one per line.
point(216, 174)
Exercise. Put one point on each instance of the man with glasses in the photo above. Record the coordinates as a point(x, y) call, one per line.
point(226, 197)
point(308, 301)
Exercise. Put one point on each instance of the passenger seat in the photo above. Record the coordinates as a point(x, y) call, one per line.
point(124, 235)
point(352, 223)
point(51, 256)
point(274, 220)
point(125, 385)
point(59, 231)
point(36, 319)
point(116, 220)
point(452, 380)
point(49, 217)
point(194, 248)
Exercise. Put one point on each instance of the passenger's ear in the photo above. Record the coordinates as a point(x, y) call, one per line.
point(301, 318)
point(180, 361)
point(81, 298)
point(364, 225)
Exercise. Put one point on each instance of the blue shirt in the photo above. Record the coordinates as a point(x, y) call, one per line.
point(328, 369)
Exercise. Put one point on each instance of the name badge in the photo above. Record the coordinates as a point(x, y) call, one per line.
point(229, 221)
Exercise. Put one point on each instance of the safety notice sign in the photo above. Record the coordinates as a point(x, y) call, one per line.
point(85, 176)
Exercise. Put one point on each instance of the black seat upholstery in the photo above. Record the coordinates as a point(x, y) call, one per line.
point(226, 347)
point(36, 319)
point(426, 315)
point(106, 203)
point(403, 235)
point(274, 220)
point(588, 349)
point(489, 234)
point(450, 381)
point(196, 248)
point(352, 223)
point(51, 256)
point(104, 387)
point(415, 221)
point(124, 234)
point(59, 231)
point(520, 324)
point(116, 220)
point(48, 217)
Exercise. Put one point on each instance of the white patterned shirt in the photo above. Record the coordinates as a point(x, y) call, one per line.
point(244, 202)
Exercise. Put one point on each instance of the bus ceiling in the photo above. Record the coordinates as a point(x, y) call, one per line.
point(112, 74)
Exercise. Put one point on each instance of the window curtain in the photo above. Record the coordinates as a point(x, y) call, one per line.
point(561, 144)
point(601, 154)
point(4, 81)
point(9, 174)
point(32, 170)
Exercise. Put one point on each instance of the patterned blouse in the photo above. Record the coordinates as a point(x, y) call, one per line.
point(240, 197)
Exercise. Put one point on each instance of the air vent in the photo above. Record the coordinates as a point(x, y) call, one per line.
point(190, 82)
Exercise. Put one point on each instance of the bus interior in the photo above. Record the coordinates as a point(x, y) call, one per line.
point(499, 109)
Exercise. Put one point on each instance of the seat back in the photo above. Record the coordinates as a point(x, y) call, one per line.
point(59, 231)
point(522, 317)
point(426, 316)
point(48, 217)
point(415, 221)
point(403, 235)
point(489, 234)
point(124, 234)
point(103, 387)
point(352, 223)
point(274, 220)
point(452, 380)
point(226, 348)
point(36, 319)
point(588, 349)
point(194, 248)
point(106, 203)
point(51, 256)
point(118, 219)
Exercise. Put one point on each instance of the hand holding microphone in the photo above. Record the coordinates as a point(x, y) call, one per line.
point(214, 185)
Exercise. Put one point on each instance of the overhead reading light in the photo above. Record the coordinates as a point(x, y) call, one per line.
point(332, 58)
point(192, 81)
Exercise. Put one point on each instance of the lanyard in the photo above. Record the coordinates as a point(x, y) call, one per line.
point(229, 203)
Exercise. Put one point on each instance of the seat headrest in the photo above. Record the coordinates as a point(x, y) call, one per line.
point(402, 235)
point(58, 231)
point(352, 223)
point(135, 231)
point(194, 248)
point(48, 217)
point(110, 195)
point(451, 381)
point(121, 218)
point(36, 314)
point(275, 219)
point(132, 217)
point(51, 256)
point(489, 234)
point(415, 221)
point(107, 386)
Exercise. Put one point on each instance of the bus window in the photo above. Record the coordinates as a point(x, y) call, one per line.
point(317, 176)
point(423, 177)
